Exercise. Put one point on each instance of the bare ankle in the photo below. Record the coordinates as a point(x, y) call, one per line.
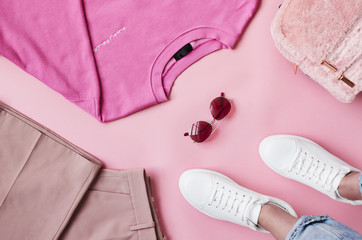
point(349, 186)
point(275, 220)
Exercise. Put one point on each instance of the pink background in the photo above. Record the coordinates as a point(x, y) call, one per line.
point(267, 99)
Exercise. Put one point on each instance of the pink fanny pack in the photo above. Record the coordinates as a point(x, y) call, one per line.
point(324, 39)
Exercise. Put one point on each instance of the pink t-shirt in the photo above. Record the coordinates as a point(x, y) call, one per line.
point(113, 58)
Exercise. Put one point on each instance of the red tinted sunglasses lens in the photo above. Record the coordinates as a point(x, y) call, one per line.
point(220, 108)
point(200, 131)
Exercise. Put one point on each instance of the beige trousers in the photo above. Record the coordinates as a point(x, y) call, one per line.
point(51, 189)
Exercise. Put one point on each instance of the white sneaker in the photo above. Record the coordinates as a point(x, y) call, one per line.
point(304, 161)
point(220, 197)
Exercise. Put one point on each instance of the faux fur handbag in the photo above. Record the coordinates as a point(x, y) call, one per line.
point(324, 39)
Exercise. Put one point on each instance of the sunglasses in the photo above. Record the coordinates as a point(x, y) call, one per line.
point(201, 130)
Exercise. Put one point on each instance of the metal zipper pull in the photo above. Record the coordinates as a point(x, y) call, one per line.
point(346, 80)
point(295, 69)
point(328, 65)
point(341, 77)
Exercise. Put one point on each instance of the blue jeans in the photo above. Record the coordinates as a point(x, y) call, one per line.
point(323, 228)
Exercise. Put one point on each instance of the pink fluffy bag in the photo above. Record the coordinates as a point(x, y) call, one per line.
point(324, 39)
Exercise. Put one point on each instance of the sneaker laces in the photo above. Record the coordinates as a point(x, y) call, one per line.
point(315, 170)
point(231, 202)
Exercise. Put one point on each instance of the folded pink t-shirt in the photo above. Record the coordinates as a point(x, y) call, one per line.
point(113, 58)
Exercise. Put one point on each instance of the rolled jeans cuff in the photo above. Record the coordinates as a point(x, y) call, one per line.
point(321, 227)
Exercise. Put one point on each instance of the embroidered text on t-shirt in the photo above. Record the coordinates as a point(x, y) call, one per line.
point(105, 42)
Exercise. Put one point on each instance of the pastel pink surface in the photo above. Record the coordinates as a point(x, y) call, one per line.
point(267, 99)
